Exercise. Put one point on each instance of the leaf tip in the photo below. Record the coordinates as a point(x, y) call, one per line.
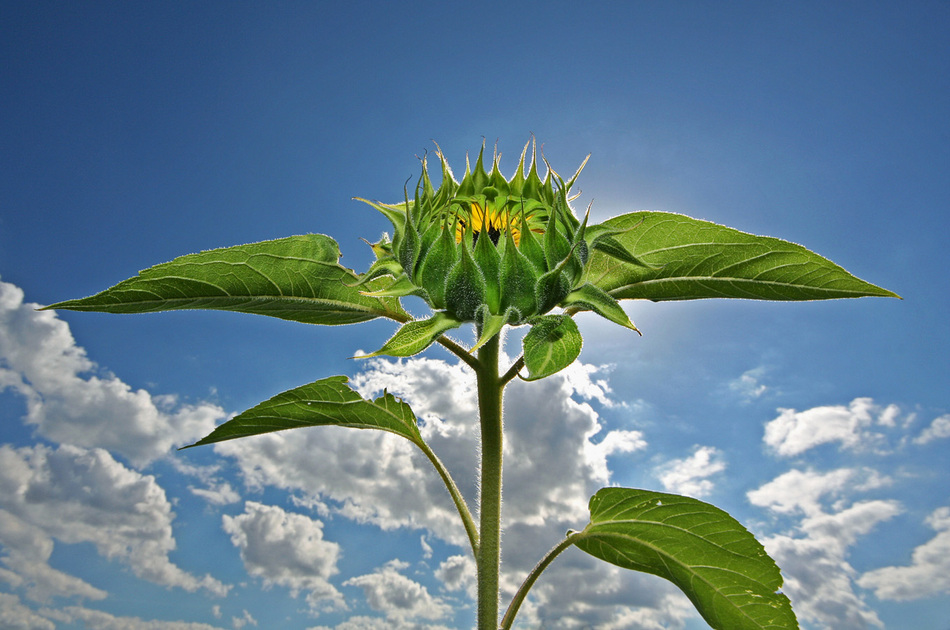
point(366, 356)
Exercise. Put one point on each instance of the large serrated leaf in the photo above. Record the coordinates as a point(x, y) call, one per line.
point(716, 562)
point(689, 259)
point(296, 278)
point(551, 345)
point(327, 402)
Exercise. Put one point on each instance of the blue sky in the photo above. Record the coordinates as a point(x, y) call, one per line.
point(136, 132)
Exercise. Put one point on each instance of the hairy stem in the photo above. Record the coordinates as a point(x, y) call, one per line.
point(488, 557)
point(459, 351)
point(513, 370)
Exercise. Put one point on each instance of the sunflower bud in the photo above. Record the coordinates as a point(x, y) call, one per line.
point(488, 250)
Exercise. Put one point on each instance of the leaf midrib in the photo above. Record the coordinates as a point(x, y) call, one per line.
point(383, 408)
point(344, 306)
point(731, 280)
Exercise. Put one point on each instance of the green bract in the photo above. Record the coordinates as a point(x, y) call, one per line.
point(490, 250)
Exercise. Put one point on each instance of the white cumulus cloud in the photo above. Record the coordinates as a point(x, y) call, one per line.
point(362, 622)
point(390, 592)
point(77, 495)
point(690, 475)
point(458, 573)
point(287, 549)
point(814, 555)
point(14, 615)
point(26, 560)
point(100, 620)
point(806, 491)
point(69, 403)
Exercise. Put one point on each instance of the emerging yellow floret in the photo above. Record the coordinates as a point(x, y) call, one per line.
point(495, 222)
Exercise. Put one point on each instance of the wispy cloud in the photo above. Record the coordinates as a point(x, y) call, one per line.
point(246, 619)
point(939, 429)
point(690, 475)
point(749, 385)
point(858, 426)
point(928, 573)
point(216, 490)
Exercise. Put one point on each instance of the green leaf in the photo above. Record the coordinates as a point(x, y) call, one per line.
point(329, 401)
point(689, 259)
point(401, 286)
point(381, 267)
point(296, 278)
point(590, 298)
point(551, 345)
point(396, 213)
point(716, 562)
point(615, 249)
point(414, 337)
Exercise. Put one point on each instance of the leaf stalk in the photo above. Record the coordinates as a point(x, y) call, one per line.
point(532, 577)
point(467, 520)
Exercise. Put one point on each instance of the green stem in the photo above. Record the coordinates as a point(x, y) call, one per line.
point(513, 371)
point(459, 351)
point(460, 504)
point(532, 578)
point(488, 557)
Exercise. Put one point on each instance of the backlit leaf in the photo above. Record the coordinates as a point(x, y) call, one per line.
point(414, 337)
point(329, 401)
point(685, 259)
point(716, 562)
point(592, 298)
point(551, 345)
point(296, 278)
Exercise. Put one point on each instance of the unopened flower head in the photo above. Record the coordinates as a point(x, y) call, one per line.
point(485, 245)
point(488, 249)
